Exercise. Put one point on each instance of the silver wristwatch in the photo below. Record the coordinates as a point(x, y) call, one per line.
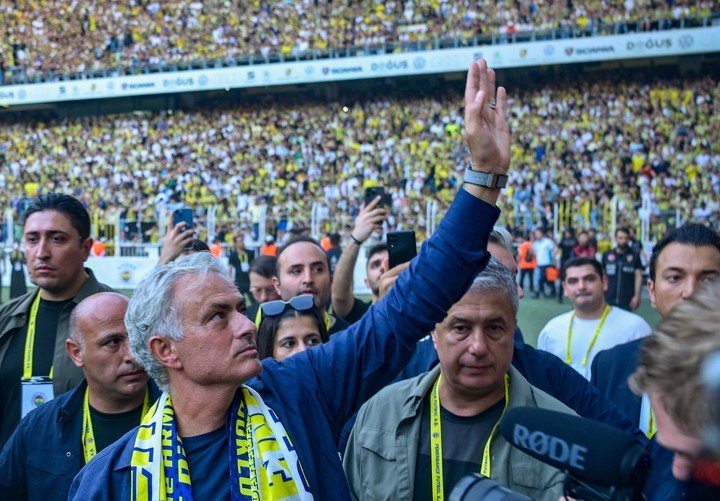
point(486, 179)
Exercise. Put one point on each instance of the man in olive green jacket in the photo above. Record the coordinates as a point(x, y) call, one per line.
point(453, 411)
point(33, 327)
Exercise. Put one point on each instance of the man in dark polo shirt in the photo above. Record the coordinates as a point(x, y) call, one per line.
point(623, 268)
point(33, 327)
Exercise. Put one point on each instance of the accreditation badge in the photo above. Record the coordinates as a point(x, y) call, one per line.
point(35, 392)
point(245, 266)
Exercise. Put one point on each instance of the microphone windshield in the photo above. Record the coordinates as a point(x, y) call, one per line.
point(588, 450)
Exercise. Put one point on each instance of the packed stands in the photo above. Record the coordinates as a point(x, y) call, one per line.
point(630, 135)
point(43, 39)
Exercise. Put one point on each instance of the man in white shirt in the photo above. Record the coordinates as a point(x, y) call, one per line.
point(592, 325)
point(545, 249)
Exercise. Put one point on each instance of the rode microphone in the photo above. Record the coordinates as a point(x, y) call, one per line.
point(587, 450)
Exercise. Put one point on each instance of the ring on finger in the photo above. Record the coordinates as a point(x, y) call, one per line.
point(492, 105)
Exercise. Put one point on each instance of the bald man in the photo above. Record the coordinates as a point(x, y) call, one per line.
point(54, 441)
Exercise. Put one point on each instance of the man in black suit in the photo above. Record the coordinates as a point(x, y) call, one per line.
point(685, 257)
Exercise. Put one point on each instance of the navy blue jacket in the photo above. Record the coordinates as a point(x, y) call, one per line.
point(44, 453)
point(547, 372)
point(610, 371)
point(315, 392)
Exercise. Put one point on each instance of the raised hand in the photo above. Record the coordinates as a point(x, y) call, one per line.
point(371, 218)
point(486, 128)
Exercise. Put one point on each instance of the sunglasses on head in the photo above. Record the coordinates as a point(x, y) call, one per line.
point(298, 303)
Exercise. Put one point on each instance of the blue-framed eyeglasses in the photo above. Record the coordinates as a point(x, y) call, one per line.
point(302, 302)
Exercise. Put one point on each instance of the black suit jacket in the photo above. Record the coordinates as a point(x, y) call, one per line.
point(610, 371)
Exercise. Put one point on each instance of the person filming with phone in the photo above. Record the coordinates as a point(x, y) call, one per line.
point(180, 239)
point(370, 219)
point(401, 247)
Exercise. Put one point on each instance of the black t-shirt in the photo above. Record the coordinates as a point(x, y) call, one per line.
point(207, 457)
point(463, 443)
point(108, 428)
point(339, 325)
point(359, 308)
point(11, 369)
point(566, 247)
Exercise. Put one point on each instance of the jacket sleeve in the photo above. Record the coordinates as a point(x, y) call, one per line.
point(13, 465)
point(358, 362)
point(542, 340)
point(352, 460)
point(595, 369)
point(550, 374)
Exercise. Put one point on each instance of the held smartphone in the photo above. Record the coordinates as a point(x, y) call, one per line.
point(183, 216)
point(375, 191)
point(401, 247)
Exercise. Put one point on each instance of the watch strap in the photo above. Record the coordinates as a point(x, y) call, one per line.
point(486, 179)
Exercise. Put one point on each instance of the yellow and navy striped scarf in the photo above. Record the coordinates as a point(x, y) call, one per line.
point(264, 464)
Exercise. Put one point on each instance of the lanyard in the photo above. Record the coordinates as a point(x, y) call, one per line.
point(652, 427)
point(568, 357)
point(436, 465)
point(30, 341)
point(88, 437)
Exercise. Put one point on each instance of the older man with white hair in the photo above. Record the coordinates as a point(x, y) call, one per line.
point(276, 424)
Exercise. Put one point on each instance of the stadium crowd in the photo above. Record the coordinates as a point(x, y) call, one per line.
point(610, 136)
point(404, 397)
point(52, 36)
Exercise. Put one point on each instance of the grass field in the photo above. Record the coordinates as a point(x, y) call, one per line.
point(533, 315)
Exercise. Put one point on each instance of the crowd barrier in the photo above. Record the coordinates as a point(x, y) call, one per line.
point(125, 273)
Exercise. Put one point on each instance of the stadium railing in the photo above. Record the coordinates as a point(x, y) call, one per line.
point(21, 75)
point(131, 238)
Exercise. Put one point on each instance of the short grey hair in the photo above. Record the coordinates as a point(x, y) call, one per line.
point(501, 236)
point(497, 278)
point(152, 310)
